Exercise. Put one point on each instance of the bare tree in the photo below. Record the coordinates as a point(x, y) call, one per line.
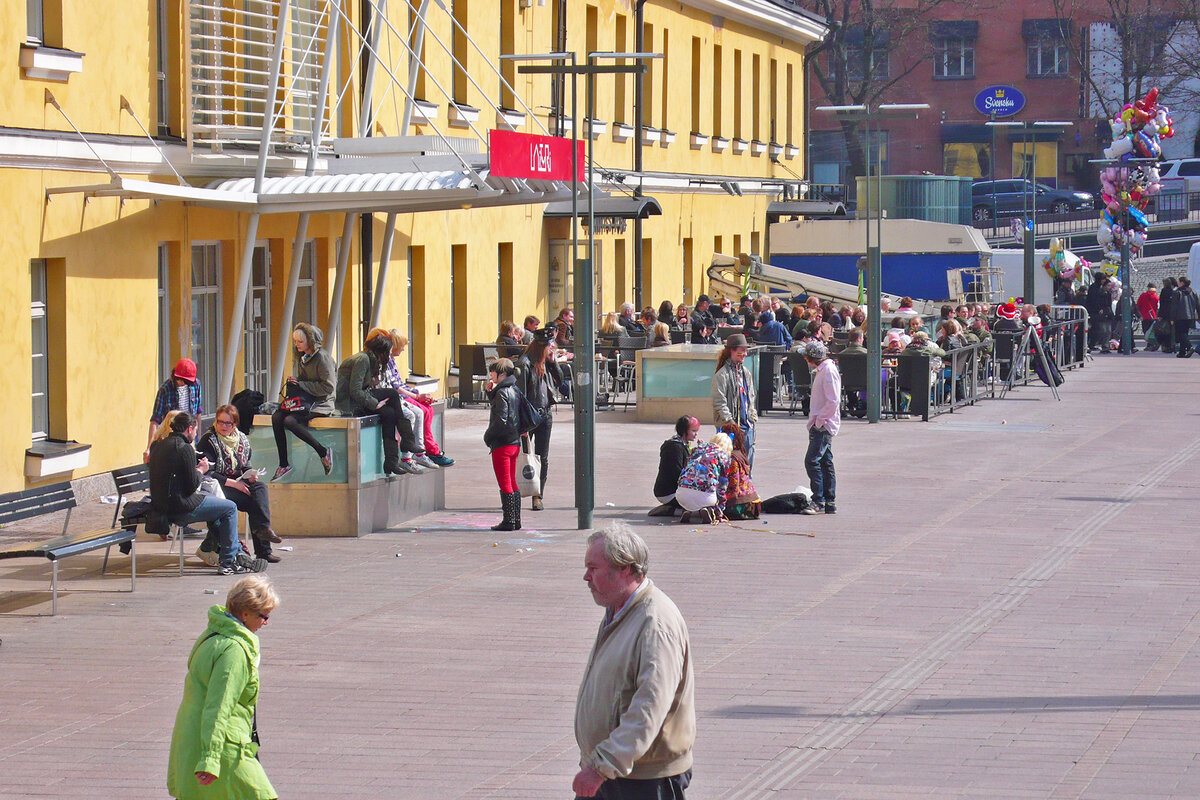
point(872, 46)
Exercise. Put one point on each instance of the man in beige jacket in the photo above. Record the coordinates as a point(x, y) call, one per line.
point(635, 718)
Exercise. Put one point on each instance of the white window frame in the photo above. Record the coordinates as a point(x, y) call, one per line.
point(209, 368)
point(40, 362)
point(1048, 57)
point(954, 51)
point(309, 260)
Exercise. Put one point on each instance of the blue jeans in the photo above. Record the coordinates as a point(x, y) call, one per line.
point(818, 463)
point(221, 514)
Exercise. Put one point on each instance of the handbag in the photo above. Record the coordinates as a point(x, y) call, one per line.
point(528, 417)
point(529, 470)
point(296, 399)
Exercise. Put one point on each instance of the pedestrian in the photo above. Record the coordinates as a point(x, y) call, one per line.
point(537, 372)
point(635, 718)
point(214, 746)
point(503, 438)
point(824, 419)
point(733, 393)
point(307, 393)
point(180, 392)
point(1165, 300)
point(1185, 310)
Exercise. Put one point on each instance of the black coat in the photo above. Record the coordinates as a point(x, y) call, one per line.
point(504, 425)
point(1185, 305)
point(1099, 302)
point(672, 457)
point(537, 388)
point(173, 476)
point(1165, 300)
point(631, 326)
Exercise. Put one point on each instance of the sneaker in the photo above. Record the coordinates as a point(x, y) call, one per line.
point(209, 557)
point(327, 460)
point(442, 460)
point(250, 563)
point(830, 508)
point(813, 509)
point(425, 461)
point(279, 473)
point(412, 467)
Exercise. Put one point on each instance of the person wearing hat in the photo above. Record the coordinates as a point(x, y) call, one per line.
point(180, 392)
point(824, 419)
point(733, 393)
point(1007, 313)
point(537, 374)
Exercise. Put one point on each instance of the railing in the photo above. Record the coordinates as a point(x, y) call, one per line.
point(1169, 207)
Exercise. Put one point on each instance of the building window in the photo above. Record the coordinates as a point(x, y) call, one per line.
point(953, 58)
point(967, 159)
point(1047, 57)
point(1047, 47)
point(35, 28)
point(206, 318)
point(866, 54)
point(305, 309)
point(39, 352)
point(164, 313)
point(162, 94)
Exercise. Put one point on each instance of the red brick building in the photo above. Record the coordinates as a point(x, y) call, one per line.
point(1018, 44)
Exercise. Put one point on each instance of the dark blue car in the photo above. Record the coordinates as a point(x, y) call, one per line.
point(991, 199)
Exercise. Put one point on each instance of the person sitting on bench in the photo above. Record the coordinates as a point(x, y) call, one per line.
point(174, 492)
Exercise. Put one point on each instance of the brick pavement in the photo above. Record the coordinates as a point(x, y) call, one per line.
point(998, 611)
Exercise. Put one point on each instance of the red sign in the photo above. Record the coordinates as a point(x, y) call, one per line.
point(523, 155)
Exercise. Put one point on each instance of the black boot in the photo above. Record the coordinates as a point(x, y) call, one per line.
point(510, 504)
point(391, 457)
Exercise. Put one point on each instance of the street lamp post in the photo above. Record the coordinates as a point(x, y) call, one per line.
point(585, 278)
point(1028, 198)
point(864, 114)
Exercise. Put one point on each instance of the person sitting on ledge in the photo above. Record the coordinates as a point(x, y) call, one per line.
point(359, 394)
point(228, 452)
point(313, 383)
point(672, 456)
point(417, 408)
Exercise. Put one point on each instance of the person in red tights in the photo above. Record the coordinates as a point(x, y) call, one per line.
point(503, 438)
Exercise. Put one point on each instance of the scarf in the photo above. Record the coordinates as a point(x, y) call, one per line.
point(229, 444)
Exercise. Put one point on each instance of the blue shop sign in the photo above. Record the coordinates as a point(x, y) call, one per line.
point(1003, 101)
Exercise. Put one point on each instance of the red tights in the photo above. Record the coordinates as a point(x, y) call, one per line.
point(504, 462)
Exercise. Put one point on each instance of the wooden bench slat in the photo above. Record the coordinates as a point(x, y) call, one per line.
point(29, 503)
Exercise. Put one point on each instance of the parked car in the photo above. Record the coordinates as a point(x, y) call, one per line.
point(990, 199)
point(1182, 174)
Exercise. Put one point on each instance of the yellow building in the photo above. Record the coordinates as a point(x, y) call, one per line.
point(149, 217)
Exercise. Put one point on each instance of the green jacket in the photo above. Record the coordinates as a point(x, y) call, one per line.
point(212, 728)
point(355, 377)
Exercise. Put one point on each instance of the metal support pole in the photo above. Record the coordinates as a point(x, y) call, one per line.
point(289, 304)
point(585, 346)
point(385, 257)
point(334, 323)
point(639, 266)
point(414, 67)
point(874, 345)
point(1027, 288)
point(1127, 290)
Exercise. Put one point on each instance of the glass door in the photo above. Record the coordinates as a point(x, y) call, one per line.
point(257, 325)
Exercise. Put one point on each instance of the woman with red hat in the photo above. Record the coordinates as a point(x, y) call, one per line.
point(180, 392)
point(1007, 312)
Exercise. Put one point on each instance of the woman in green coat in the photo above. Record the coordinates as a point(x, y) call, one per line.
point(214, 745)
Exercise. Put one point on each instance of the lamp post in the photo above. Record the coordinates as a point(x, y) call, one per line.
point(585, 278)
point(1029, 198)
point(864, 114)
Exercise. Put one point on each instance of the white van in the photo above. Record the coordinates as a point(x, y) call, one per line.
point(1180, 175)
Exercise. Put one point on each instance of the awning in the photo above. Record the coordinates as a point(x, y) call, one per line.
point(1046, 29)
point(619, 207)
point(399, 192)
point(805, 208)
point(963, 134)
point(954, 29)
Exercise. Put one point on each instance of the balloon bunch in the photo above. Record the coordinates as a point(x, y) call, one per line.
point(1063, 265)
point(1137, 133)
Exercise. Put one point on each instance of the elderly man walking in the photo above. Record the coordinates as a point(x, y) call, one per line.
point(824, 419)
point(635, 718)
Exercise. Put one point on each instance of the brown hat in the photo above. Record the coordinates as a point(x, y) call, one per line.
point(736, 340)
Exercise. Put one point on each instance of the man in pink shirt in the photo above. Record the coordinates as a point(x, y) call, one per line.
point(824, 419)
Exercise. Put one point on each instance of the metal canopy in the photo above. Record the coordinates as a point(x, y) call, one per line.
point(805, 208)
point(621, 207)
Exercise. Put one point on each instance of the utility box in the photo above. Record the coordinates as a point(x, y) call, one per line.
point(933, 198)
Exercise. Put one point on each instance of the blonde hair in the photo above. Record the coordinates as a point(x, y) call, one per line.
point(252, 593)
point(662, 331)
point(399, 340)
point(164, 427)
point(723, 443)
point(610, 324)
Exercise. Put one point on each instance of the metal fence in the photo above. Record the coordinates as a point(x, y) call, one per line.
point(1168, 207)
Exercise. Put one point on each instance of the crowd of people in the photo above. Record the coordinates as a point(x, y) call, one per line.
point(1169, 316)
point(209, 476)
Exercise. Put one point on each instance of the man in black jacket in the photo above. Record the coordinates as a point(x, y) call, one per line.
point(174, 480)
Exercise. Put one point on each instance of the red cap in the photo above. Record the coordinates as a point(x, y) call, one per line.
point(1007, 310)
point(185, 370)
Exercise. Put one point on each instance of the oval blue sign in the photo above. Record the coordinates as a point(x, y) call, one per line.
point(1003, 101)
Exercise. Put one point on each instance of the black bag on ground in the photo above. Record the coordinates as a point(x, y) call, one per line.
point(1055, 373)
point(790, 503)
point(247, 402)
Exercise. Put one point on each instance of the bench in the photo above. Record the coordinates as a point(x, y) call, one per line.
point(130, 480)
point(31, 503)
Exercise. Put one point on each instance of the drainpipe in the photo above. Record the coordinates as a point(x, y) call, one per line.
point(639, 43)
